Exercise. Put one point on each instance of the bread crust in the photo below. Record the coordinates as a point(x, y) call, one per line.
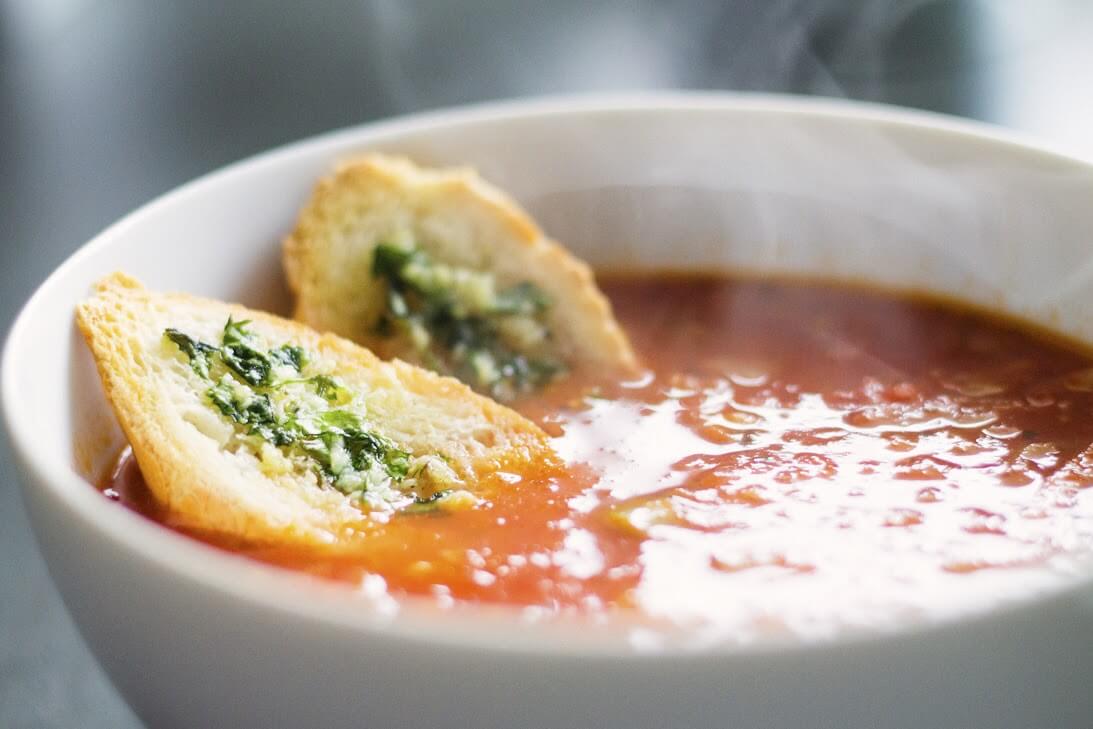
point(159, 403)
point(458, 218)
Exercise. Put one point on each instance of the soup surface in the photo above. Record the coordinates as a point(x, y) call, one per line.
point(798, 459)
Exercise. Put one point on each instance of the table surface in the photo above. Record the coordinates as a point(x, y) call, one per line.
point(105, 104)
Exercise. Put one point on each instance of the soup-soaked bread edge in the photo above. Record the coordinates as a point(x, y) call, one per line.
point(461, 219)
point(205, 488)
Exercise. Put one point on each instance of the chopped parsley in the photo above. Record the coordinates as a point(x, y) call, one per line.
point(198, 352)
point(289, 355)
point(459, 324)
point(267, 396)
point(250, 364)
point(328, 389)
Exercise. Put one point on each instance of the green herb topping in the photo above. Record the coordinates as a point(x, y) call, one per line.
point(459, 324)
point(270, 400)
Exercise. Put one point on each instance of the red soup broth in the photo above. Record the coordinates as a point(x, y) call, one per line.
point(797, 458)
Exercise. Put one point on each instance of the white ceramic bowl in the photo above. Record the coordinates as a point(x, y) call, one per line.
point(194, 637)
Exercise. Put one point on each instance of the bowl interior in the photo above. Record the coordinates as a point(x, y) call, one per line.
point(838, 190)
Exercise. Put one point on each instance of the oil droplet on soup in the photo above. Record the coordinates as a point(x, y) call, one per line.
point(798, 458)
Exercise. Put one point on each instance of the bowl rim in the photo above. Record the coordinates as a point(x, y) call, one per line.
point(481, 627)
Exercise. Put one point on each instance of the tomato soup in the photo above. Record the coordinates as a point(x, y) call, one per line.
point(797, 458)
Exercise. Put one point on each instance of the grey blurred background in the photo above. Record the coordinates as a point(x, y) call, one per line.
point(105, 104)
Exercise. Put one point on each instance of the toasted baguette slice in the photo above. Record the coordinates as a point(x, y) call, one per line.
point(213, 477)
point(458, 219)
